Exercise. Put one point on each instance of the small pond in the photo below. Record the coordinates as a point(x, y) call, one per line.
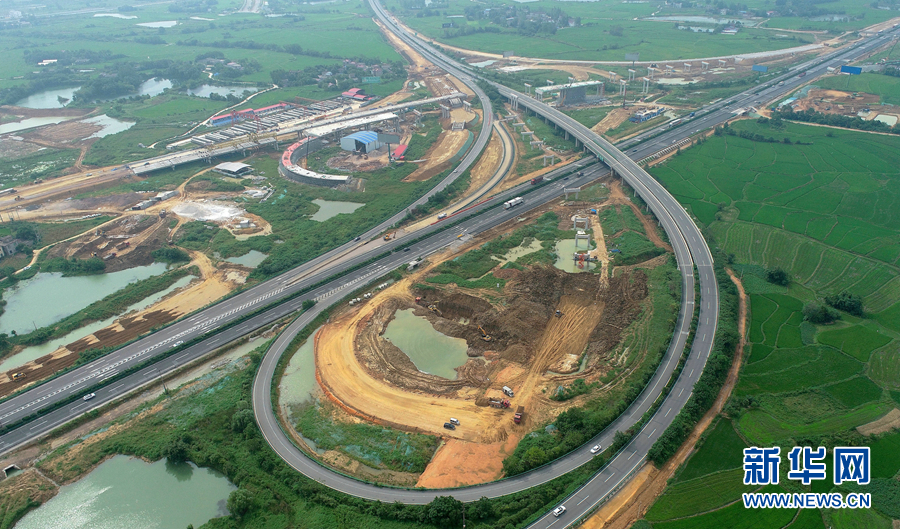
point(48, 98)
point(251, 259)
point(110, 125)
point(160, 24)
point(36, 351)
point(207, 89)
point(128, 492)
point(299, 380)
point(331, 208)
point(431, 351)
point(564, 251)
point(31, 123)
point(36, 302)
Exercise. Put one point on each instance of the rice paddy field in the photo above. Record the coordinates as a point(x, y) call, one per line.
point(822, 208)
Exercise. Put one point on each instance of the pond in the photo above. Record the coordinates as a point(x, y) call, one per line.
point(331, 208)
point(431, 351)
point(128, 492)
point(207, 89)
point(36, 302)
point(110, 125)
point(36, 351)
point(251, 259)
point(152, 87)
point(48, 98)
point(299, 379)
point(115, 15)
point(160, 24)
point(523, 249)
point(564, 251)
point(31, 123)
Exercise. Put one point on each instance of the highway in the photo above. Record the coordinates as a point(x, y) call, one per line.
point(690, 251)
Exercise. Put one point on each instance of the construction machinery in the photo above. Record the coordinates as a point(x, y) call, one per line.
point(498, 403)
point(389, 236)
point(559, 313)
point(520, 412)
point(484, 336)
point(433, 308)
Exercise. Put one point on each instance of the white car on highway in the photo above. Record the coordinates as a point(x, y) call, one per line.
point(176, 344)
point(595, 449)
point(559, 510)
point(89, 396)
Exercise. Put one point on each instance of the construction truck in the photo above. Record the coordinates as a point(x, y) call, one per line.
point(498, 403)
point(390, 236)
point(520, 411)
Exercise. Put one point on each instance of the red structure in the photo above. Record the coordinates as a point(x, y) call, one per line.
point(399, 153)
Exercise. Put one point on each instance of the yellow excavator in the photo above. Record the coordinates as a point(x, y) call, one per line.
point(484, 336)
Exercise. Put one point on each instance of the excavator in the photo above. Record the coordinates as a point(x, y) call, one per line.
point(484, 336)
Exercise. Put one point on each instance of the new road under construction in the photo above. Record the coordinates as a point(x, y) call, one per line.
point(327, 280)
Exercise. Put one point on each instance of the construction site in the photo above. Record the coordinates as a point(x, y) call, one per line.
point(541, 330)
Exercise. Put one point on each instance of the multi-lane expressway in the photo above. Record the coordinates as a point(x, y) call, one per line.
point(690, 250)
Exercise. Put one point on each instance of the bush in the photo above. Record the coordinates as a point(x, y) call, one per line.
point(170, 255)
point(847, 302)
point(239, 502)
point(778, 276)
point(819, 314)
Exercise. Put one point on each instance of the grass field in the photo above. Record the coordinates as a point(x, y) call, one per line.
point(871, 83)
point(819, 211)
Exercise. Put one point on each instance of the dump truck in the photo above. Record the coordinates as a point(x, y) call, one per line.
point(537, 180)
point(122, 245)
point(520, 411)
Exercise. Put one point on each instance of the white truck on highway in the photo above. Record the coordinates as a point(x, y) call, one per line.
point(512, 203)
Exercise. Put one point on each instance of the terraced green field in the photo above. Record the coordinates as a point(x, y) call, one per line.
point(821, 210)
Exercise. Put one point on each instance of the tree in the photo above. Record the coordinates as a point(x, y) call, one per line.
point(819, 314)
point(847, 302)
point(176, 452)
point(241, 420)
point(482, 509)
point(239, 502)
point(444, 511)
point(778, 276)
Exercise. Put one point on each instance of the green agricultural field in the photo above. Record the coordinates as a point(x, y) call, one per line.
point(721, 450)
point(871, 83)
point(700, 495)
point(734, 517)
point(816, 206)
point(607, 32)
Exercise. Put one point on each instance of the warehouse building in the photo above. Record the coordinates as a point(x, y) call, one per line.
point(364, 141)
point(233, 169)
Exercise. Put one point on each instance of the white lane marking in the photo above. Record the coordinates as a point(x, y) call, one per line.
point(609, 478)
point(632, 455)
point(667, 413)
point(38, 424)
point(582, 499)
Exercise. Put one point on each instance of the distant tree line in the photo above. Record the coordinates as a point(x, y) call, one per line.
point(835, 120)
